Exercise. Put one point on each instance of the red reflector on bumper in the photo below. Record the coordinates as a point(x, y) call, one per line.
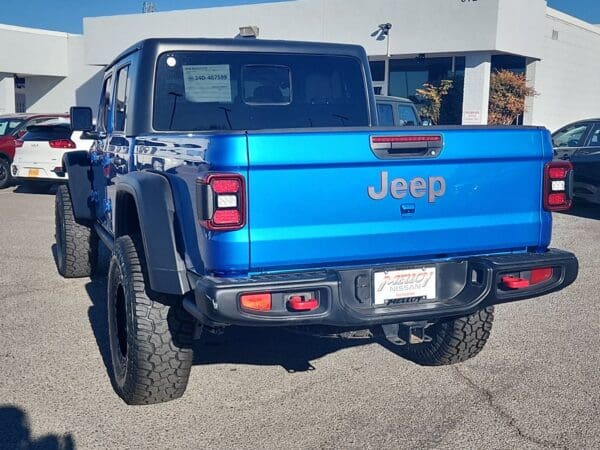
point(541, 275)
point(515, 282)
point(298, 303)
point(256, 302)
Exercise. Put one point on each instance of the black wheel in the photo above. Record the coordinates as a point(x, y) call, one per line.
point(76, 243)
point(453, 341)
point(150, 335)
point(5, 176)
point(158, 164)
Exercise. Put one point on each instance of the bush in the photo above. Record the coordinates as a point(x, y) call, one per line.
point(432, 97)
point(508, 91)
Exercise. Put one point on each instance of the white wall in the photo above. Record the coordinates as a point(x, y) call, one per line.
point(419, 26)
point(477, 88)
point(7, 93)
point(33, 51)
point(568, 77)
point(80, 86)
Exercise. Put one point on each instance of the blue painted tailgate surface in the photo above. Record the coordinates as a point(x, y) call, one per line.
point(308, 202)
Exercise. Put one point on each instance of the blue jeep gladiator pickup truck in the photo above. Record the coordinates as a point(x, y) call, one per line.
point(245, 182)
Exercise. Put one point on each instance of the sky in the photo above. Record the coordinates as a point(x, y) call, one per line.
point(67, 15)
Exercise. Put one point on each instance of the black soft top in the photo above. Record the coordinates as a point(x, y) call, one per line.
point(156, 46)
point(147, 52)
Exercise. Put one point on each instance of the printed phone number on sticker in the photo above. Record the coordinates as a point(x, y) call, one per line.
point(208, 77)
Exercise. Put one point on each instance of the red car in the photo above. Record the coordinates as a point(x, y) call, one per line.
point(12, 127)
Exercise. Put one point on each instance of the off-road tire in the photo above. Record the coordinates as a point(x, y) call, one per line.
point(150, 334)
point(453, 341)
point(5, 175)
point(76, 243)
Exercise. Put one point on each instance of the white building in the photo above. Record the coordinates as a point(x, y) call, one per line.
point(429, 41)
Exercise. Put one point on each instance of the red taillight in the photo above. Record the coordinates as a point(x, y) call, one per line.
point(256, 302)
point(557, 199)
point(18, 143)
point(557, 185)
point(221, 201)
point(557, 173)
point(224, 217)
point(62, 143)
point(225, 186)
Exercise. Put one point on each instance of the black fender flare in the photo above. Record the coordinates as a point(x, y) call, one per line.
point(78, 166)
point(155, 212)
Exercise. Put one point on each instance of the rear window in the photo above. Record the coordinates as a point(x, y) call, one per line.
point(47, 133)
point(8, 126)
point(245, 91)
point(407, 115)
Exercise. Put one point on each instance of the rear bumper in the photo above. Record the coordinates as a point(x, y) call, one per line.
point(345, 295)
point(43, 172)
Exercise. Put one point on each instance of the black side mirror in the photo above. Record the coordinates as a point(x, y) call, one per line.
point(81, 118)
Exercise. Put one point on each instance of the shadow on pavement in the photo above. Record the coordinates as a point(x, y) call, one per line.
point(585, 210)
point(38, 188)
point(290, 349)
point(15, 433)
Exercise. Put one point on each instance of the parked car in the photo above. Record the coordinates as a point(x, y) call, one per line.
point(39, 152)
point(283, 205)
point(579, 143)
point(396, 112)
point(12, 127)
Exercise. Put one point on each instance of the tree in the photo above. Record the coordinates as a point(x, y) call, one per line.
point(433, 96)
point(508, 91)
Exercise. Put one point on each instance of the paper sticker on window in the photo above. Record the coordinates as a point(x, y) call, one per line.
point(206, 84)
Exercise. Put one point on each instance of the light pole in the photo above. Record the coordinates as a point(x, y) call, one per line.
point(385, 31)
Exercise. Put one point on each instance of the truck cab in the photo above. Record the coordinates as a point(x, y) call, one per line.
point(247, 182)
point(396, 112)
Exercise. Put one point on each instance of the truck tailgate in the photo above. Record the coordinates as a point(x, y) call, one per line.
point(316, 199)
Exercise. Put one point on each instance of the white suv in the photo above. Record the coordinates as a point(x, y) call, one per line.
point(39, 153)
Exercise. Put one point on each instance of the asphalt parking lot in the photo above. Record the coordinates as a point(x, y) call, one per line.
point(535, 385)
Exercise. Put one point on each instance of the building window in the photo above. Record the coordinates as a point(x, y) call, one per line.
point(377, 70)
point(408, 75)
point(516, 64)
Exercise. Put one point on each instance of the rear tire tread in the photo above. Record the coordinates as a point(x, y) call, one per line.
point(159, 334)
point(79, 243)
point(453, 341)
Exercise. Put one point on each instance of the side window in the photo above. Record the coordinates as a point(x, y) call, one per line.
point(407, 115)
point(386, 114)
point(104, 107)
point(122, 94)
point(594, 139)
point(571, 135)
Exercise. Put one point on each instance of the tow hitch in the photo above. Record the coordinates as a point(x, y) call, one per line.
point(406, 333)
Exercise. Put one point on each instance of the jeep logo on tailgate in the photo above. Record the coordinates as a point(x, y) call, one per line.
point(418, 187)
